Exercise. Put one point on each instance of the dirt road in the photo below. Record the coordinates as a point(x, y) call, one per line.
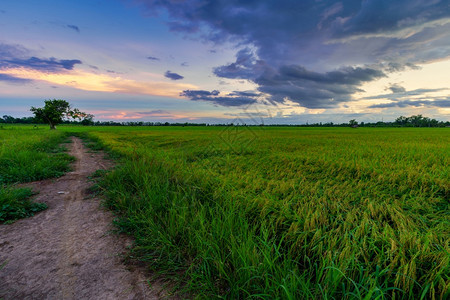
point(68, 251)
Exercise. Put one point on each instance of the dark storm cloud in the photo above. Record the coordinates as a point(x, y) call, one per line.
point(173, 76)
point(396, 88)
point(199, 94)
point(13, 56)
point(156, 112)
point(414, 98)
point(213, 97)
point(231, 101)
point(398, 67)
point(245, 67)
point(74, 27)
point(387, 16)
point(345, 76)
point(308, 88)
point(275, 26)
point(12, 79)
point(112, 72)
point(314, 52)
point(49, 65)
point(404, 94)
point(442, 103)
point(244, 94)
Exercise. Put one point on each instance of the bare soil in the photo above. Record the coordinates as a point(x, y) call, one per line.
point(68, 250)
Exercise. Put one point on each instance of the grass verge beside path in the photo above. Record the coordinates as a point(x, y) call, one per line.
point(26, 155)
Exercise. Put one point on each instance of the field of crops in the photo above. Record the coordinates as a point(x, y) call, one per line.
point(257, 212)
point(27, 154)
point(287, 212)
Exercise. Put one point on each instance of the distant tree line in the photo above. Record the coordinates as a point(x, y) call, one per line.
point(412, 121)
point(12, 120)
point(419, 121)
point(6, 119)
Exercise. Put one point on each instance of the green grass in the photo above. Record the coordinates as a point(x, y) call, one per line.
point(15, 204)
point(286, 212)
point(28, 154)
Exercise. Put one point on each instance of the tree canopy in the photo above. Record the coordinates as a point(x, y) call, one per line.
point(55, 111)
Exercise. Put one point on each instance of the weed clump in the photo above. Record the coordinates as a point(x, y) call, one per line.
point(15, 204)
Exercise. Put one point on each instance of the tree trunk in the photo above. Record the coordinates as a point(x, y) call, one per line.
point(52, 126)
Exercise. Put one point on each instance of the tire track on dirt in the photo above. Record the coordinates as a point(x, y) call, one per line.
point(67, 251)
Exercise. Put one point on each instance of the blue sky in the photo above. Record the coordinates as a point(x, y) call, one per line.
point(216, 61)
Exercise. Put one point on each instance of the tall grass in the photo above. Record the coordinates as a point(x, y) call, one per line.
point(286, 212)
point(27, 154)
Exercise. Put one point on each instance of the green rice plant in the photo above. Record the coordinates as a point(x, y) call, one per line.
point(28, 154)
point(328, 213)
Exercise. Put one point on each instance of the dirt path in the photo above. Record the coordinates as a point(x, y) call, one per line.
point(67, 251)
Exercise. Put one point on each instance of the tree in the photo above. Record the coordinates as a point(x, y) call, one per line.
point(353, 123)
point(402, 120)
point(8, 119)
point(88, 119)
point(55, 111)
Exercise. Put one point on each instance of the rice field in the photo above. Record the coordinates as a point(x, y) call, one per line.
point(27, 154)
point(251, 212)
point(284, 213)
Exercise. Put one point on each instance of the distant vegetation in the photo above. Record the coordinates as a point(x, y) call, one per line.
point(412, 121)
point(56, 111)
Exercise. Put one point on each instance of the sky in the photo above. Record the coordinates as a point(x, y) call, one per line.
point(222, 61)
